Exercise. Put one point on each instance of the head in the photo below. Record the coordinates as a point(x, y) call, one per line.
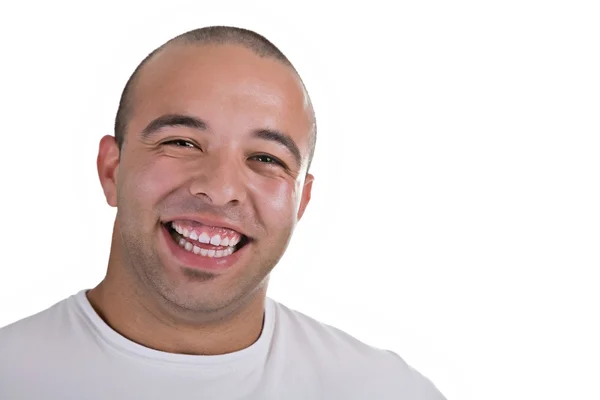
point(213, 141)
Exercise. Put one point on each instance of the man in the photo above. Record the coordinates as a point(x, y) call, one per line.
point(208, 170)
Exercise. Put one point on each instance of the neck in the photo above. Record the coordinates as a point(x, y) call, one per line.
point(142, 318)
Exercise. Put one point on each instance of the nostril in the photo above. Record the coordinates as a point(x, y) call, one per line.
point(218, 189)
point(203, 196)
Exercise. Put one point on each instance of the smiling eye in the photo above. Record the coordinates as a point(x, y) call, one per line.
point(263, 158)
point(181, 143)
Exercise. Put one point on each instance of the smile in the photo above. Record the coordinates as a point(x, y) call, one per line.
point(206, 241)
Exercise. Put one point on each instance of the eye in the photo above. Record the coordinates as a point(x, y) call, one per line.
point(181, 143)
point(263, 158)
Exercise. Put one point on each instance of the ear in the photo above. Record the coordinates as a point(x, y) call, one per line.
point(108, 167)
point(305, 195)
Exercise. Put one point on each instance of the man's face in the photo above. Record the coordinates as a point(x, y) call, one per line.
point(203, 162)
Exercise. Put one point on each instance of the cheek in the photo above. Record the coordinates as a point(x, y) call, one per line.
point(154, 179)
point(276, 198)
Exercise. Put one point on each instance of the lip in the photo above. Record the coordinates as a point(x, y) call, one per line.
point(208, 221)
point(190, 260)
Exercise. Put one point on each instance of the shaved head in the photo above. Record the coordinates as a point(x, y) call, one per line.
point(214, 131)
point(212, 35)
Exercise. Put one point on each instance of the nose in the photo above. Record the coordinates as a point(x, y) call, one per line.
point(219, 181)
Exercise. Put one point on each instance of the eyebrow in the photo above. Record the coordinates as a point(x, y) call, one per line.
point(281, 139)
point(174, 120)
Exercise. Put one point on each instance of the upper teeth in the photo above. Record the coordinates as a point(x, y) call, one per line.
point(203, 237)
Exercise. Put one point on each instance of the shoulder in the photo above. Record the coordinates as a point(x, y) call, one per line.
point(355, 365)
point(37, 331)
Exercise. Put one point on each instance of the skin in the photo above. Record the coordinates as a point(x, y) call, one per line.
point(220, 172)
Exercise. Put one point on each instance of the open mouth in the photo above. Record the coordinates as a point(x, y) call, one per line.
point(206, 241)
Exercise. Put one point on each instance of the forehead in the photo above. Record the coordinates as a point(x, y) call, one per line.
point(228, 85)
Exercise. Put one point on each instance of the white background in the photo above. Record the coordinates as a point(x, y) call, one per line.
point(455, 216)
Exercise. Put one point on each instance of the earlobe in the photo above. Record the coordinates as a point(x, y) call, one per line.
point(306, 193)
point(108, 166)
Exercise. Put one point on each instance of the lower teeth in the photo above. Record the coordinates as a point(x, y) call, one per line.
point(205, 252)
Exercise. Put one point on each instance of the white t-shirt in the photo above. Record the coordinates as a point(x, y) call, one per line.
point(69, 352)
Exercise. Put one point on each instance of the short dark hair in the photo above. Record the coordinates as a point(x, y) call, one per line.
point(209, 35)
